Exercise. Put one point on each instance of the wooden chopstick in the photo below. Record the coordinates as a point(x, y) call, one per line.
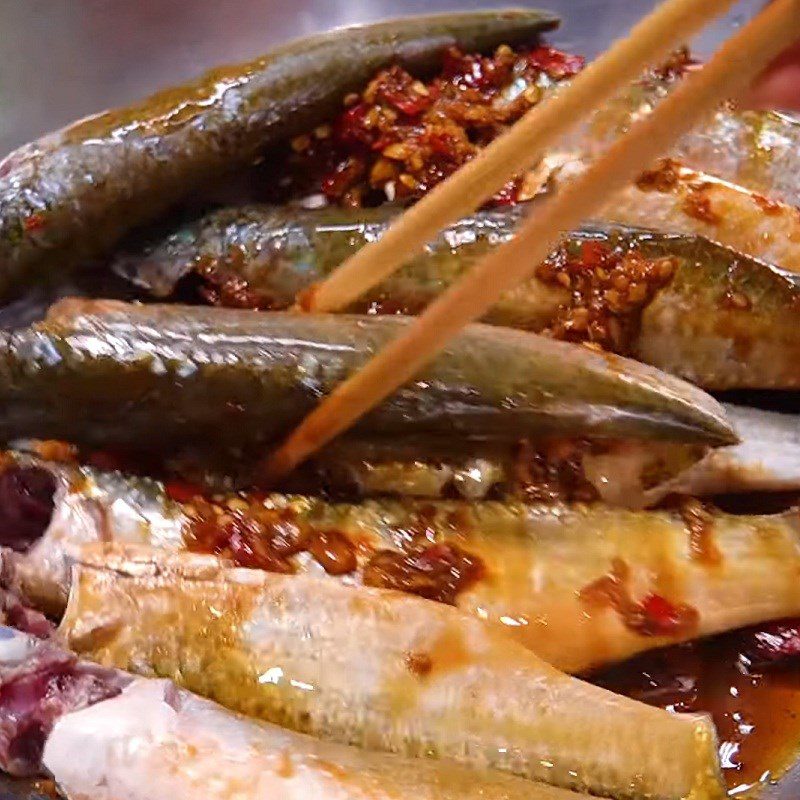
point(730, 71)
point(671, 24)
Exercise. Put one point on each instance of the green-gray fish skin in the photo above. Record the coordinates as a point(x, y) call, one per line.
point(72, 194)
point(265, 257)
point(382, 670)
point(170, 377)
point(724, 320)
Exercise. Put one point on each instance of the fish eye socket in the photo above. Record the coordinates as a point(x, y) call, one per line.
point(27, 500)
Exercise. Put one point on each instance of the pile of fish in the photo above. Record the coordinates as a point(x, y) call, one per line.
point(410, 613)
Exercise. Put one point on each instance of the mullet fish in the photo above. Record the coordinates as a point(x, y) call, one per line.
point(381, 670)
point(172, 377)
point(103, 734)
point(692, 307)
point(580, 585)
point(72, 194)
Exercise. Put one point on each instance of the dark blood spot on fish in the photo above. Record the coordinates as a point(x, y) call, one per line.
point(662, 179)
point(748, 680)
point(698, 205)
point(26, 505)
point(653, 615)
point(438, 572)
point(699, 521)
point(419, 664)
point(35, 694)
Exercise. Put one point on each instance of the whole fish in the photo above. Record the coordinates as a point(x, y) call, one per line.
point(166, 377)
point(106, 735)
point(718, 318)
point(579, 585)
point(379, 669)
point(75, 192)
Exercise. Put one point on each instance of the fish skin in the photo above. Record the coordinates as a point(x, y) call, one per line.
point(280, 252)
point(753, 149)
point(677, 199)
point(725, 321)
point(685, 330)
point(156, 741)
point(536, 558)
point(766, 460)
point(169, 377)
point(234, 636)
point(73, 193)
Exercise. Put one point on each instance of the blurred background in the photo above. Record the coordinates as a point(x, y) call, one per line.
point(62, 59)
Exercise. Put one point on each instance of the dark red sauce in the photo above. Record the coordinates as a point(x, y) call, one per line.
point(251, 535)
point(436, 572)
point(749, 681)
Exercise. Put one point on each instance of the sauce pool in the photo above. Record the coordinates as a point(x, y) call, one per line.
point(755, 705)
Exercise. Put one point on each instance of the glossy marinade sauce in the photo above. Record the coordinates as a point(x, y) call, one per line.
point(748, 680)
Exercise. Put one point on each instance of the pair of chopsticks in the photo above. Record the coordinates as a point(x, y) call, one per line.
point(727, 74)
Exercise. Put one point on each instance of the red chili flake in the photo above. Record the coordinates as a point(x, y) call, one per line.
point(34, 222)
point(182, 491)
point(557, 64)
point(660, 617)
point(593, 254)
point(336, 183)
point(350, 128)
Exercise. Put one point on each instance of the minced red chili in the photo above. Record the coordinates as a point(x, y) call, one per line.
point(401, 136)
point(610, 285)
point(436, 572)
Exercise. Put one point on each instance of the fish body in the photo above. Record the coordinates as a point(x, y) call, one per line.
point(674, 198)
point(156, 741)
point(266, 256)
point(581, 585)
point(72, 194)
point(382, 670)
point(103, 734)
point(166, 377)
point(721, 320)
